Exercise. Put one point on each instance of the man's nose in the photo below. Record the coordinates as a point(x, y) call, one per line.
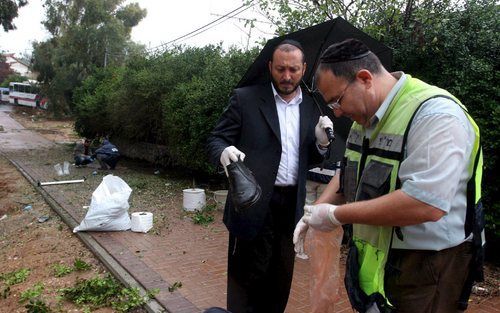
point(287, 75)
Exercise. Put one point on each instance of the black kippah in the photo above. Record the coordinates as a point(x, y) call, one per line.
point(291, 42)
point(347, 50)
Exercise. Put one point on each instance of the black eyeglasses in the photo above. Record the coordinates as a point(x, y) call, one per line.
point(336, 104)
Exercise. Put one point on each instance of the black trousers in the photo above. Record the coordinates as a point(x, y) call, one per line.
point(108, 160)
point(260, 270)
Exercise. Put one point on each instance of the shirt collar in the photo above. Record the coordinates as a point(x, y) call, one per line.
point(296, 99)
point(401, 77)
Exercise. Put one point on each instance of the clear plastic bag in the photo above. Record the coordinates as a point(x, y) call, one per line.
point(66, 168)
point(324, 258)
point(59, 169)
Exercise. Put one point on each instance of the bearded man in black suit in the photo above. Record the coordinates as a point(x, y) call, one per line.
point(272, 127)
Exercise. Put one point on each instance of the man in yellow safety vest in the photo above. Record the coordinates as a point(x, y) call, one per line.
point(410, 185)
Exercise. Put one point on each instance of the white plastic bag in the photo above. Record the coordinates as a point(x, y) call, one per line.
point(109, 207)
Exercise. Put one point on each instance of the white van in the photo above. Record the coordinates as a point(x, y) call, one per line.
point(4, 94)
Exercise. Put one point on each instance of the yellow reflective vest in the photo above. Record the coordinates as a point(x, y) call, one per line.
point(371, 170)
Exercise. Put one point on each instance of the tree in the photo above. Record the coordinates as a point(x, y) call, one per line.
point(13, 78)
point(8, 12)
point(86, 35)
point(5, 69)
point(378, 17)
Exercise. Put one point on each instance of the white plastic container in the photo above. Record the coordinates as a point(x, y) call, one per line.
point(59, 169)
point(220, 197)
point(194, 199)
point(66, 168)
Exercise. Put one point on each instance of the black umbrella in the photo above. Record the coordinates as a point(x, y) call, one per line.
point(315, 40)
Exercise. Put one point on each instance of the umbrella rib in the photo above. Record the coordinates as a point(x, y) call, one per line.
point(320, 50)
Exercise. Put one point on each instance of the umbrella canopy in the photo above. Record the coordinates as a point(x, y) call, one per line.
point(315, 40)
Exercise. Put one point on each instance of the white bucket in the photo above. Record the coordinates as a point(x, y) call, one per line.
point(220, 197)
point(193, 199)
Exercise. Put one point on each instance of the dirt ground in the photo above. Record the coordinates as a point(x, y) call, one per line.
point(25, 243)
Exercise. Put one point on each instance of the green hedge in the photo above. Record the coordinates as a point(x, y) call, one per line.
point(172, 99)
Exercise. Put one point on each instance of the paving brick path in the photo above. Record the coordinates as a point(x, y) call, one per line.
point(193, 255)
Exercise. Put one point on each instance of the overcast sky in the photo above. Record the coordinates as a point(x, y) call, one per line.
point(166, 20)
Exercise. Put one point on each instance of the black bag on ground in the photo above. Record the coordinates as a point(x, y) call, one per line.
point(244, 190)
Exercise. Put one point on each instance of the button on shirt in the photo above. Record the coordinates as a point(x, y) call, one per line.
point(289, 119)
point(437, 155)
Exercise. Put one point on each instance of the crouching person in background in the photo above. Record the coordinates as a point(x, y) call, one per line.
point(81, 153)
point(107, 155)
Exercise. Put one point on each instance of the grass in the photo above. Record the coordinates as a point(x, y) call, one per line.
point(90, 294)
point(61, 270)
point(205, 216)
point(105, 291)
point(37, 306)
point(13, 278)
point(32, 293)
point(80, 265)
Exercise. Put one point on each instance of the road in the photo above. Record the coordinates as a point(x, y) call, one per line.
point(15, 137)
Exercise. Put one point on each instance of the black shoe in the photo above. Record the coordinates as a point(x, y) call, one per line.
point(243, 187)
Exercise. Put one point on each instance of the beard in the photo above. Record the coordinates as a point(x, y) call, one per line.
point(285, 91)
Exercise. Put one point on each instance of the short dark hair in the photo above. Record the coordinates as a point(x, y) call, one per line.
point(346, 58)
point(288, 45)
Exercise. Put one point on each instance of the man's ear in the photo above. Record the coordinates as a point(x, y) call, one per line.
point(270, 64)
point(365, 77)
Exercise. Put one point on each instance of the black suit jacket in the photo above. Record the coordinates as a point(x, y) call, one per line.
point(250, 123)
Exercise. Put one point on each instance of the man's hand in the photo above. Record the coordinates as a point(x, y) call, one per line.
point(299, 235)
point(321, 216)
point(319, 130)
point(231, 154)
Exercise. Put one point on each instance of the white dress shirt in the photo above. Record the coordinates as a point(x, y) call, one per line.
point(289, 120)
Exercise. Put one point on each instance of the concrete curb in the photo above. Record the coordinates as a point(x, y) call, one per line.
point(109, 262)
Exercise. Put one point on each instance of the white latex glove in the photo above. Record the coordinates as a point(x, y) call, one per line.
point(321, 216)
point(319, 130)
point(299, 235)
point(231, 154)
